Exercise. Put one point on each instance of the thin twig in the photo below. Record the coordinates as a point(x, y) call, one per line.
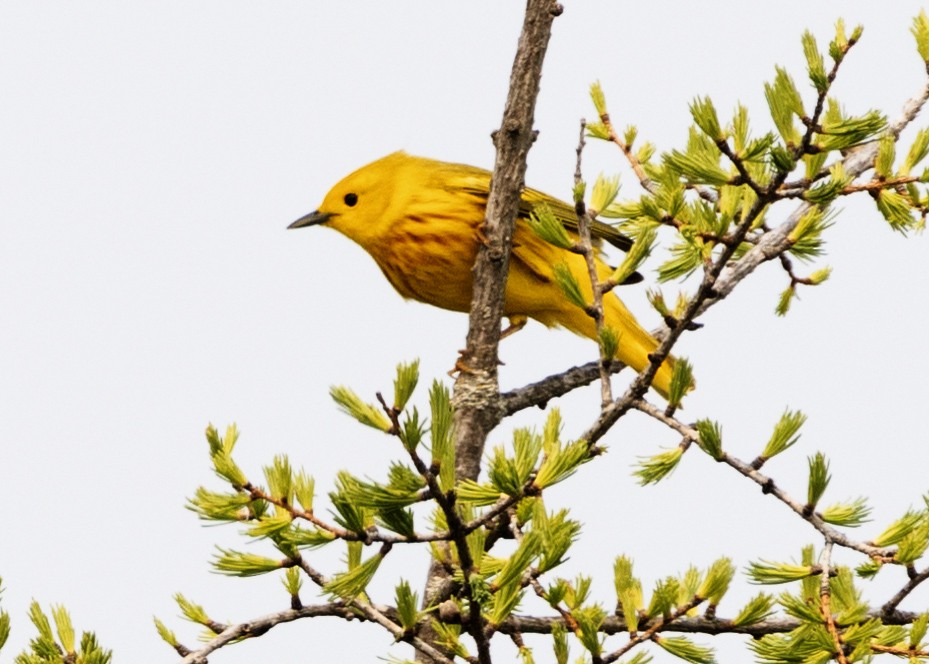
point(912, 654)
point(891, 605)
point(768, 486)
point(745, 177)
point(654, 627)
point(825, 604)
point(587, 250)
point(870, 186)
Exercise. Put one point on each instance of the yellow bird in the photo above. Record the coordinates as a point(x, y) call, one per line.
point(420, 218)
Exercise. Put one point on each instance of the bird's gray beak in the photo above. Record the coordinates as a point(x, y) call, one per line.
point(312, 219)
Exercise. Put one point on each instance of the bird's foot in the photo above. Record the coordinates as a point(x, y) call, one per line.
point(516, 323)
point(461, 366)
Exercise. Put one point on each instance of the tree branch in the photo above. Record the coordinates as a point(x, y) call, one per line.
point(476, 392)
point(775, 242)
point(687, 624)
point(768, 486)
point(551, 387)
point(259, 626)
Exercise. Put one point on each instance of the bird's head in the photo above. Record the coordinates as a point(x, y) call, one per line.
point(358, 205)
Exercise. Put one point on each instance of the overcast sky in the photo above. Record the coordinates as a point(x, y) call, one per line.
point(151, 157)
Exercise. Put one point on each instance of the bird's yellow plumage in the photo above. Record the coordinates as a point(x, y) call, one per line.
point(419, 220)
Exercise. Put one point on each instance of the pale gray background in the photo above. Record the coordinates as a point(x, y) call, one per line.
point(151, 156)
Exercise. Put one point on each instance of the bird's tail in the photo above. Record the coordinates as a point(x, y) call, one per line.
point(635, 344)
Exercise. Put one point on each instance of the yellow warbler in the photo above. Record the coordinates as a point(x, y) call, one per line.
point(420, 218)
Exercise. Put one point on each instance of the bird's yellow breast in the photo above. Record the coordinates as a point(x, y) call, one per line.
point(428, 246)
point(430, 262)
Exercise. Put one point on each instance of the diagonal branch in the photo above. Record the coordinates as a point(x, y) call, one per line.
point(775, 242)
point(915, 581)
point(768, 486)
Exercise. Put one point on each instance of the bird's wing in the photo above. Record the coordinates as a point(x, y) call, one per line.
point(476, 182)
point(567, 215)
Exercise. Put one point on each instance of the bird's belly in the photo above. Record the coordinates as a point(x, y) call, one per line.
point(430, 268)
point(434, 265)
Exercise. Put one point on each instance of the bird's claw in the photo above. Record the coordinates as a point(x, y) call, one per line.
point(516, 323)
point(461, 366)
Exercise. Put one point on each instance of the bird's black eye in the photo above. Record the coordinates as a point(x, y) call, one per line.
point(351, 199)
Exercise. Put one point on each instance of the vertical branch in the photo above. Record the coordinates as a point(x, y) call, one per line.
point(476, 391)
point(476, 398)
